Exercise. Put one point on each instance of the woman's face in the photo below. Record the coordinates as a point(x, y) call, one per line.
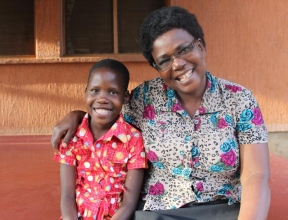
point(187, 73)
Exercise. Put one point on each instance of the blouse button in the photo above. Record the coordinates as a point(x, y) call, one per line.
point(196, 121)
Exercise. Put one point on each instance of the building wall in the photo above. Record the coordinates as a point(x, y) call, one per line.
point(246, 43)
point(35, 96)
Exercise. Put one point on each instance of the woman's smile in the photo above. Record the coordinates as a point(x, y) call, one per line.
point(183, 78)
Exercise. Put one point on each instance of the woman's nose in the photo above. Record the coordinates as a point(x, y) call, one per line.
point(178, 63)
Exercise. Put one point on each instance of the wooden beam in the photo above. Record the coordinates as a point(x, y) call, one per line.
point(115, 26)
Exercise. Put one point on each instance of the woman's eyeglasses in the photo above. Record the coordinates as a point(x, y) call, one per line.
point(167, 63)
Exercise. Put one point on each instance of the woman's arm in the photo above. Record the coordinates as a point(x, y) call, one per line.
point(255, 173)
point(68, 194)
point(66, 128)
point(133, 185)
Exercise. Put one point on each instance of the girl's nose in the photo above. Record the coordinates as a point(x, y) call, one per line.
point(102, 98)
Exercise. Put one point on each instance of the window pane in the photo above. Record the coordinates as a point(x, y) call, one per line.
point(17, 27)
point(131, 14)
point(89, 26)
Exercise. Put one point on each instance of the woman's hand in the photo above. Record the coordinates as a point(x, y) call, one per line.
point(66, 128)
point(255, 172)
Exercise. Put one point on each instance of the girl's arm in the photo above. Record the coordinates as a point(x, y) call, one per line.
point(133, 185)
point(255, 173)
point(68, 194)
point(66, 128)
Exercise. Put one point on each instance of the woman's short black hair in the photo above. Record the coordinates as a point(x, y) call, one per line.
point(165, 19)
point(115, 66)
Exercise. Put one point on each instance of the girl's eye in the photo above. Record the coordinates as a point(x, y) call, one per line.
point(114, 92)
point(94, 90)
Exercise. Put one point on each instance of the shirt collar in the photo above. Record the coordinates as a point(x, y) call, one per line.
point(118, 130)
point(212, 99)
point(213, 96)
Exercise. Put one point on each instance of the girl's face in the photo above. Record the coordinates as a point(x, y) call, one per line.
point(187, 73)
point(105, 95)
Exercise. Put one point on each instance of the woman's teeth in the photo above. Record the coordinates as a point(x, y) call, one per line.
point(185, 76)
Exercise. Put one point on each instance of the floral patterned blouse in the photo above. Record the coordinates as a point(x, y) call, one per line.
point(194, 159)
point(102, 166)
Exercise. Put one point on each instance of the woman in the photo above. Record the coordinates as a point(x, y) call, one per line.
point(204, 136)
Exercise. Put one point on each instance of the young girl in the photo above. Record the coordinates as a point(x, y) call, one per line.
point(104, 162)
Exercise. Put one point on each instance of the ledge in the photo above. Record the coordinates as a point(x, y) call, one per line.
point(277, 127)
point(71, 59)
point(20, 139)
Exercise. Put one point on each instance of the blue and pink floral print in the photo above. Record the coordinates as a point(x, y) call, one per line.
point(194, 159)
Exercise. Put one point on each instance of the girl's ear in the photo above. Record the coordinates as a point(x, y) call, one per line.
point(126, 97)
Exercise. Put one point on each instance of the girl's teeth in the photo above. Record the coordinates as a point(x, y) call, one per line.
point(102, 111)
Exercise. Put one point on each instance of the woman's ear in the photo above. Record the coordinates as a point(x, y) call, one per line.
point(126, 97)
point(201, 46)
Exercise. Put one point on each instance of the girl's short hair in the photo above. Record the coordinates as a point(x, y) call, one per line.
point(115, 66)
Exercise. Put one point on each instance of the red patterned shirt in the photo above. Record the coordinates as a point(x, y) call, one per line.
point(102, 166)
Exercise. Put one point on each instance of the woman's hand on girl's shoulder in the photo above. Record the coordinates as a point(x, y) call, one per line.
point(66, 128)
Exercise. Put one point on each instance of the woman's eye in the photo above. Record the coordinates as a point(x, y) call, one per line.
point(184, 50)
point(162, 62)
point(94, 90)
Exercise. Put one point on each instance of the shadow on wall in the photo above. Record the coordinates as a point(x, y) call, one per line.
point(278, 143)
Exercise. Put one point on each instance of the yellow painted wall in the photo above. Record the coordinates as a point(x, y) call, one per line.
point(35, 96)
point(247, 42)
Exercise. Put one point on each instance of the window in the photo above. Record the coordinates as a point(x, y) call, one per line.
point(105, 26)
point(17, 27)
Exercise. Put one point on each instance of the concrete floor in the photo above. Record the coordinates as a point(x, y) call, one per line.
point(30, 186)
